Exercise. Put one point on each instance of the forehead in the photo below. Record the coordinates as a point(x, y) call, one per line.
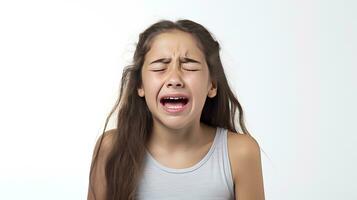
point(174, 42)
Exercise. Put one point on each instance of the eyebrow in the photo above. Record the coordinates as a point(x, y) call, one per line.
point(182, 60)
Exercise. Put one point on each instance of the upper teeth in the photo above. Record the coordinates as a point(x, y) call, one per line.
point(176, 98)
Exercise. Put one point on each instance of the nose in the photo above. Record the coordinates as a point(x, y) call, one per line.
point(174, 84)
point(174, 79)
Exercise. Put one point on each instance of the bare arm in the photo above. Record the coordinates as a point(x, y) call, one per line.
point(249, 178)
point(98, 180)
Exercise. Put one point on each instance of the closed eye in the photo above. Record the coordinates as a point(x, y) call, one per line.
point(158, 70)
point(189, 64)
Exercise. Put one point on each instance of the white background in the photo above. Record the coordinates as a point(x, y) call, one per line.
point(292, 65)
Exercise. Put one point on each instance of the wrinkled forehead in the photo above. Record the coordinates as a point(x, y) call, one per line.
point(175, 43)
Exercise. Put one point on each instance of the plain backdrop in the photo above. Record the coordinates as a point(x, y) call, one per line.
point(291, 63)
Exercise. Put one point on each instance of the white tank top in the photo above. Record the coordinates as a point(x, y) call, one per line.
point(209, 179)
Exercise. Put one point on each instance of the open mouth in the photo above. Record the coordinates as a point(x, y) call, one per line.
point(174, 105)
point(174, 101)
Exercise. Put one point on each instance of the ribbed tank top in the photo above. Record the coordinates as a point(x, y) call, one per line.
point(209, 179)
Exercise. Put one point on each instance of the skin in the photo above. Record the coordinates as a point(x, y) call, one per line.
point(245, 160)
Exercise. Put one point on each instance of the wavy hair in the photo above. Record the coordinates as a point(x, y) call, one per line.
point(134, 123)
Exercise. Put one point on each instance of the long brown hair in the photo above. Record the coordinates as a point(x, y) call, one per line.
point(134, 121)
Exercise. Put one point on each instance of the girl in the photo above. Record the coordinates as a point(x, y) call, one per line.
point(175, 137)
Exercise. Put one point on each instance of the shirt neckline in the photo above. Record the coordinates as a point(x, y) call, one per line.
point(187, 169)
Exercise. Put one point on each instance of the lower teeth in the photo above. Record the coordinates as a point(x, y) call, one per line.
point(174, 107)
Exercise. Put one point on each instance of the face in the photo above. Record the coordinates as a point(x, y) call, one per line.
point(175, 66)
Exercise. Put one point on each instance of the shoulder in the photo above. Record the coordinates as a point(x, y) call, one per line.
point(246, 165)
point(244, 152)
point(105, 142)
point(102, 149)
point(243, 144)
point(109, 137)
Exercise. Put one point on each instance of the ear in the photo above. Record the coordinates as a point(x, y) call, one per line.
point(213, 90)
point(141, 92)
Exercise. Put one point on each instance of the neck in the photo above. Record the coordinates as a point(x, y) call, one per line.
point(165, 139)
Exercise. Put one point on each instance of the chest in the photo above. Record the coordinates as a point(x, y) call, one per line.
point(182, 159)
point(203, 180)
point(189, 159)
point(191, 175)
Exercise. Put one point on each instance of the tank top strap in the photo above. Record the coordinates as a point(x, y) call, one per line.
point(224, 158)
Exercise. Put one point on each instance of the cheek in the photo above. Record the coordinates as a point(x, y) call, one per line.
point(148, 81)
point(151, 88)
point(199, 88)
point(198, 81)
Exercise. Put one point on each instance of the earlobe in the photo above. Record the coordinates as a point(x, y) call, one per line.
point(213, 91)
point(141, 92)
